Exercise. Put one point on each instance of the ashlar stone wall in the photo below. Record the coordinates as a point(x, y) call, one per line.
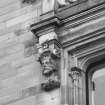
point(20, 73)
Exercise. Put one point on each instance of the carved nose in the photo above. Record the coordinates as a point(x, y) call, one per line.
point(45, 64)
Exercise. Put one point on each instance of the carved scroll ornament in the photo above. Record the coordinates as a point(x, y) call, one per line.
point(75, 73)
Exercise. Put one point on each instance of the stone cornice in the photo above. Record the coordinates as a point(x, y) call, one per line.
point(72, 21)
point(69, 15)
point(84, 39)
point(95, 16)
point(85, 16)
point(44, 25)
point(67, 10)
point(75, 12)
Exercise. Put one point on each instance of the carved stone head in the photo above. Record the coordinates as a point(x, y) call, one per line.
point(48, 62)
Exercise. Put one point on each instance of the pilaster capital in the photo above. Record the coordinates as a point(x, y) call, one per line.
point(75, 73)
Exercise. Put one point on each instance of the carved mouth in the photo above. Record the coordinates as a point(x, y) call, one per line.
point(47, 71)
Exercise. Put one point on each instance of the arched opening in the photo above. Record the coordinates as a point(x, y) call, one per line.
point(95, 83)
point(98, 86)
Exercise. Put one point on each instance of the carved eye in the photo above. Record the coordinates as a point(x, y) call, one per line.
point(45, 46)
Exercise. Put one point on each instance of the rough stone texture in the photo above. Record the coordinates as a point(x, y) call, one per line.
point(20, 73)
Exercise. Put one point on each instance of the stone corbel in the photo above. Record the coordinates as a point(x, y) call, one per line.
point(49, 57)
point(49, 49)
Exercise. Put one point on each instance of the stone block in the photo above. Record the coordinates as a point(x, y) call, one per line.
point(9, 8)
point(7, 71)
point(11, 58)
point(26, 101)
point(21, 18)
point(23, 61)
point(48, 98)
point(6, 2)
point(16, 13)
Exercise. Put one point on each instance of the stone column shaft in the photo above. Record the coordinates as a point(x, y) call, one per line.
point(76, 91)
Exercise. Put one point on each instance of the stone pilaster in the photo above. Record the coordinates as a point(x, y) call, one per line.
point(75, 74)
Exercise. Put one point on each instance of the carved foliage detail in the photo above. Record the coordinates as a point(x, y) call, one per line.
point(75, 73)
